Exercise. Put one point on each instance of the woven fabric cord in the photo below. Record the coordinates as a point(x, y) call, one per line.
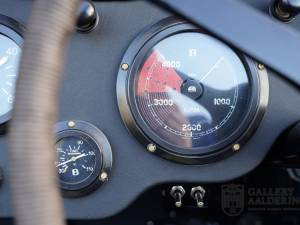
point(35, 194)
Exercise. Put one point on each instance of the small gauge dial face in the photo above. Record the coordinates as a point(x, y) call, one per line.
point(78, 161)
point(10, 54)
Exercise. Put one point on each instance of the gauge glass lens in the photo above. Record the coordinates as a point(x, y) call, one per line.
point(10, 54)
point(190, 91)
point(78, 160)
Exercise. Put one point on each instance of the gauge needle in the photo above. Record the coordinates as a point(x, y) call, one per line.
point(212, 68)
point(3, 60)
point(73, 159)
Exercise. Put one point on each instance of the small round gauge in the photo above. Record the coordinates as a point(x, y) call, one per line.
point(188, 94)
point(10, 53)
point(83, 157)
point(78, 159)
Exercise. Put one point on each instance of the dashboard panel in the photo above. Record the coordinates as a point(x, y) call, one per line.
point(88, 93)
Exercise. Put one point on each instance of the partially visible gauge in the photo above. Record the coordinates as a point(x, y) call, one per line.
point(10, 52)
point(188, 96)
point(84, 157)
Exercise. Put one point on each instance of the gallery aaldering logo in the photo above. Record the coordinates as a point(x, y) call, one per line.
point(233, 199)
point(236, 199)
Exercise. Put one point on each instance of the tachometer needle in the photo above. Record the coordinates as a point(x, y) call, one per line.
point(3, 60)
point(212, 68)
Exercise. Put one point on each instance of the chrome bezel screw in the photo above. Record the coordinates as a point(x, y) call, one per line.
point(260, 66)
point(71, 124)
point(103, 176)
point(125, 66)
point(151, 147)
point(236, 147)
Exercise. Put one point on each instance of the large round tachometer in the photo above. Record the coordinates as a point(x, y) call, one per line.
point(187, 95)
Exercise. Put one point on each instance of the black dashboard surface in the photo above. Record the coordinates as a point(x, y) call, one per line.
point(89, 93)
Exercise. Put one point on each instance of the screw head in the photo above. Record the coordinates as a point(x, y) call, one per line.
point(260, 66)
point(125, 66)
point(103, 176)
point(236, 147)
point(71, 124)
point(151, 147)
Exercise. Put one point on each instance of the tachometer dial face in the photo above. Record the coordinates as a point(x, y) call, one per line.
point(192, 90)
point(188, 93)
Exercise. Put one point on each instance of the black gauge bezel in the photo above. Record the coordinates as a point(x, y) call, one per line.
point(135, 124)
point(14, 31)
point(95, 138)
